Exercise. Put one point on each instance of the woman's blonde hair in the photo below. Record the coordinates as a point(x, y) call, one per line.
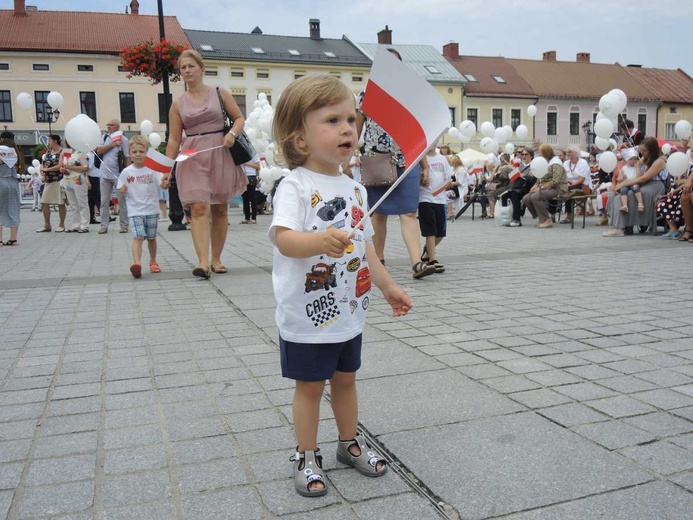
point(300, 97)
point(454, 161)
point(191, 53)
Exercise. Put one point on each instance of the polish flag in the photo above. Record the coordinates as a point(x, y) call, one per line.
point(117, 137)
point(158, 162)
point(476, 169)
point(515, 174)
point(405, 105)
point(67, 153)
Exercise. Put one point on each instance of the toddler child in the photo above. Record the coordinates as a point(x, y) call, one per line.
point(141, 185)
point(321, 275)
point(630, 171)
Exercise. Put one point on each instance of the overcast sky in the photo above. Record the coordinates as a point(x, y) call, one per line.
point(653, 34)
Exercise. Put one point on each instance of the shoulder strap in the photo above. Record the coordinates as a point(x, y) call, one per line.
point(221, 103)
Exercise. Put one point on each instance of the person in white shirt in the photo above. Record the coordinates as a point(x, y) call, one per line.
point(324, 264)
point(579, 176)
point(432, 205)
point(140, 187)
point(249, 195)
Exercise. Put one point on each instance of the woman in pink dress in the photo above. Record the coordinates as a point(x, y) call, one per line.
point(207, 181)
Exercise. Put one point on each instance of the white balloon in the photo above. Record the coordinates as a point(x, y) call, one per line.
point(487, 129)
point(260, 145)
point(154, 139)
point(499, 135)
point(265, 124)
point(531, 111)
point(467, 128)
point(83, 134)
point(251, 133)
point(509, 148)
point(609, 104)
point(256, 104)
point(603, 128)
point(613, 144)
point(539, 167)
point(601, 143)
point(31, 170)
point(608, 161)
point(683, 129)
point(262, 96)
point(454, 132)
point(600, 116)
point(678, 164)
point(146, 127)
point(55, 100)
point(465, 138)
point(487, 144)
point(25, 100)
point(522, 131)
point(264, 103)
point(666, 149)
point(36, 163)
point(508, 132)
point(268, 108)
point(269, 156)
point(623, 99)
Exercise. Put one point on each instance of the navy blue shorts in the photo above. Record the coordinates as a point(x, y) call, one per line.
point(319, 361)
point(432, 220)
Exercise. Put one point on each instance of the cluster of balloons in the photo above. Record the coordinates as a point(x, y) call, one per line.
point(35, 164)
point(147, 130)
point(492, 137)
point(258, 124)
point(611, 105)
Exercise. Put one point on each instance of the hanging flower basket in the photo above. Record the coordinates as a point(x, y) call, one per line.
point(152, 60)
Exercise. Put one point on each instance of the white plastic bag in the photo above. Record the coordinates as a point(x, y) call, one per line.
point(503, 214)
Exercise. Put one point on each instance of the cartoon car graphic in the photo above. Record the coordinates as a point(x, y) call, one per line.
point(321, 276)
point(363, 282)
point(331, 208)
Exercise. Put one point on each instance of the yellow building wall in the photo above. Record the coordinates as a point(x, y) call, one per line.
point(105, 81)
point(668, 115)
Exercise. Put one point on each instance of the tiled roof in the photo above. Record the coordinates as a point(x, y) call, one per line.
point(578, 80)
point(480, 71)
point(421, 58)
point(239, 46)
point(671, 86)
point(67, 31)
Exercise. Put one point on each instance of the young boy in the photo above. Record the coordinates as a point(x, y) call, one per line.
point(322, 273)
point(140, 186)
point(432, 205)
point(628, 172)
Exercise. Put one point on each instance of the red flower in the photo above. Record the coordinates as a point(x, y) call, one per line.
point(152, 60)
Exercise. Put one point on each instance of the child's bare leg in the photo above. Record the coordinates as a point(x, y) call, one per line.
point(431, 243)
point(344, 403)
point(306, 413)
point(624, 201)
point(137, 250)
point(151, 245)
point(638, 197)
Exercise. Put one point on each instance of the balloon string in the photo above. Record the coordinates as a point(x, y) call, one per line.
point(115, 176)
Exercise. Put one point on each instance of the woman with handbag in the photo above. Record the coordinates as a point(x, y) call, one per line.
point(206, 182)
point(403, 201)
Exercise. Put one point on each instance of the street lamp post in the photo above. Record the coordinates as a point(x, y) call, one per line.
point(175, 208)
point(52, 116)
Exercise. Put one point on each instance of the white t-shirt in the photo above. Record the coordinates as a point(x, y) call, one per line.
point(249, 170)
point(575, 171)
point(628, 173)
point(142, 194)
point(321, 299)
point(439, 173)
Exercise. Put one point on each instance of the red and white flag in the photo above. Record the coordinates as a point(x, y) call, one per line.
point(515, 173)
point(476, 169)
point(158, 162)
point(117, 137)
point(405, 105)
point(67, 153)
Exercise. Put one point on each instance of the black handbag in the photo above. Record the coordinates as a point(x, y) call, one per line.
point(242, 150)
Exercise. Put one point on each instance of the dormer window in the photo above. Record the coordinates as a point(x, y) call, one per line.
point(498, 78)
point(294, 52)
point(330, 54)
point(257, 50)
point(432, 69)
point(206, 47)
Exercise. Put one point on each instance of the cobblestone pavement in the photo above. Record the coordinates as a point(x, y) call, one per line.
point(548, 374)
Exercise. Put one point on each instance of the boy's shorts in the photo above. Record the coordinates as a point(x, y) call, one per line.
point(432, 219)
point(319, 361)
point(144, 226)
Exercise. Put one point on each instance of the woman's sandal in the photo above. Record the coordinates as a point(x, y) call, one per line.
point(308, 473)
point(687, 236)
point(421, 269)
point(219, 268)
point(366, 462)
point(10, 243)
point(202, 271)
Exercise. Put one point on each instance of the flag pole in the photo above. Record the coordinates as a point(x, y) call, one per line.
point(395, 184)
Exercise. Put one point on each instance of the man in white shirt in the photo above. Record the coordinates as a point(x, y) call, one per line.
point(114, 142)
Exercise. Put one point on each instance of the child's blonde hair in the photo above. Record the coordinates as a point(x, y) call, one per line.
point(454, 161)
point(300, 97)
point(138, 139)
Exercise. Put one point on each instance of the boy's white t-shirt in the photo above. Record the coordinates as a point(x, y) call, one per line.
point(439, 173)
point(321, 299)
point(142, 194)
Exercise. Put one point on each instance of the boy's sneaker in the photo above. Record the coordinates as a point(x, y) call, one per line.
point(136, 270)
point(515, 223)
point(103, 230)
point(123, 229)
